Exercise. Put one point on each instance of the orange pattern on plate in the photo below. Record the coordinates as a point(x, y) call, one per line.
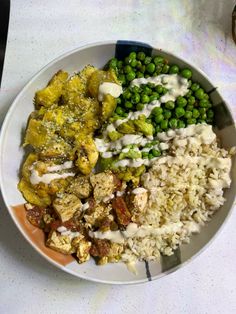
point(37, 236)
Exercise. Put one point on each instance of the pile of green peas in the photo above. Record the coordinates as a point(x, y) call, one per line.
point(135, 98)
point(195, 107)
point(138, 65)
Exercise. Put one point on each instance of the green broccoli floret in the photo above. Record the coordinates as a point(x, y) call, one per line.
point(114, 135)
point(127, 127)
point(143, 127)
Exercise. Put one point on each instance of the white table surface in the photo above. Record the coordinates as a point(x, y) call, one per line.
point(39, 31)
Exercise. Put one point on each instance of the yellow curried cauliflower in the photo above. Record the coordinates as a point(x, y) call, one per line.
point(60, 243)
point(67, 206)
point(103, 185)
point(83, 251)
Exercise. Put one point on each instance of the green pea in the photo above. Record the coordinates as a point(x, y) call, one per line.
point(143, 68)
point(159, 67)
point(174, 69)
point(202, 110)
point(165, 68)
point(122, 79)
point(113, 63)
point(151, 85)
point(119, 64)
point(119, 110)
point(186, 73)
point(125, 115)
point(154, 96)
point(135, 89)
point(206, 96)
point(191, 121)
point(164, 90)
point(189, 107)
point(167, 114)
point(191, 100)
point(144, 98)
point(158, 59)
point(150, 68)
point(127, 69)
point(141, 55)
point(128, 105)
point(164, 124)
point(179, 111)
point(155, 152)
point(132, 55)
point(189, 94)
point(196, 113)
point(133, 63)
point(145, 154)
point(210, 114)
point(173, 123)
point(130, 76)
point(139, 74)
point(127, 94)
point(148, 145)
point(159, 89)
point(150, 156)
point(199, 94)
point(147, 90)
point(118, 101)
point(127, 60)
point(156, 111)
point(203, 116)
point(140, 107)
point(147, 60)
point(195, 87)
point(181, 101)
point(169, 105)
point(188, 114)
point(204, 103)
point(158, 129)
point(135, 99)
point(158, 118)
point(180, 124)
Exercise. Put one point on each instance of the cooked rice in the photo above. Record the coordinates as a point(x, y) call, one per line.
point(184, 192)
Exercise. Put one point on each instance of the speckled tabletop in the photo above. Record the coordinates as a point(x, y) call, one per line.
point(39, 31)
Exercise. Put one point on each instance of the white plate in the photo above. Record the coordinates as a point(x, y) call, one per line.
point(12, 154)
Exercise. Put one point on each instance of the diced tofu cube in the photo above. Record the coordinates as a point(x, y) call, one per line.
point(103, 185)
point(81, 187)
point(97, 214)
point(83, 251)
point(67, 206)
point(140, 200)
point(60, 243)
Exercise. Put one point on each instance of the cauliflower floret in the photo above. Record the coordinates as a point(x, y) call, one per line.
point(103, 185)
point(60, 243)
point(67, 206)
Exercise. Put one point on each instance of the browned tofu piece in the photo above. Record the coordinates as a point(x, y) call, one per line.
point(81, 187)
point(67, 206)
point(83, 249)
point(60, 243)
point(103, 185)
point(139, 201)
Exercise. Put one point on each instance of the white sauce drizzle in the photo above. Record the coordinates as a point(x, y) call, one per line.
point(133, 230)
point(48, 177)
point(176, 85)
point(66, 165)
point(65, 232)
point(109, 88)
